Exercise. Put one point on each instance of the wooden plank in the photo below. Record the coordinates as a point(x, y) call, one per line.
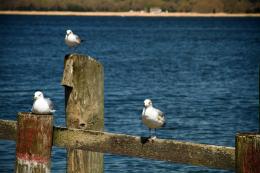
point(160, 149)
point(248, 153)
point(8, 129)
point(220, 157)
point(84, 96)
point(34, 143)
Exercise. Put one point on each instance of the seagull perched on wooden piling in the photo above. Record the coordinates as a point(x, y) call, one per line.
point(42, 105)
point(71, 39)
point(153, 118)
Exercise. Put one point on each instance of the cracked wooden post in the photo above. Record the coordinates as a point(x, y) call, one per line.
point(34, 143)
point(248, 153)
point(83, 80)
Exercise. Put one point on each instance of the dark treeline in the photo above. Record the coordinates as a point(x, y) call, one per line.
point(201, 6)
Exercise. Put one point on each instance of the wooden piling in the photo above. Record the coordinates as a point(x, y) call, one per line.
point(83, 80)
point(248, 153)
point(33, 143)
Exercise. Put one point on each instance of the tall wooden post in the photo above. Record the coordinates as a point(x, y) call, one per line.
point(248, 153)
point(83, 79)
point(34, 142)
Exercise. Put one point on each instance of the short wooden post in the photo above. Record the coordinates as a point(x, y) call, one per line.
point(34, 143)
point(83, 79)
point(248, 153)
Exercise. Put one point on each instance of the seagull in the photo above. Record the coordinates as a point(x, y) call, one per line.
point(42, 105)
point(72, 40)
point(153, 118)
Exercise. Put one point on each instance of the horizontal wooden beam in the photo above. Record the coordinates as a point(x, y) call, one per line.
point(8, 129)
point(160, 149)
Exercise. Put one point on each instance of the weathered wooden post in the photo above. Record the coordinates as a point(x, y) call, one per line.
point(248, 153)
point(83, 79)
point(34, 143)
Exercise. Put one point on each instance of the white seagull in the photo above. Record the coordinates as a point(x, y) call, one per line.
point(153, 118)
point(42, 105)
point(72, 40)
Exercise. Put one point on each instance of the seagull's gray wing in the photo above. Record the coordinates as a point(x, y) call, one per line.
point(160, 113)
point(50, 103)
point(78, 40)
point(161, 117)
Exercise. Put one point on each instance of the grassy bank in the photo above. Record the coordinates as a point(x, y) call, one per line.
point(141, 14)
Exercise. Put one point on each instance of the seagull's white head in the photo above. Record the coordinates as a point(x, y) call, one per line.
point(37, 95)
point(147, 103)
point(69, 32)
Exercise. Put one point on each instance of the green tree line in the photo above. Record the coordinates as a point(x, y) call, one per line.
point(200, 6)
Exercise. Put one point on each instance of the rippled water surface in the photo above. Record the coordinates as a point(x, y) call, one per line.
point(202, 72)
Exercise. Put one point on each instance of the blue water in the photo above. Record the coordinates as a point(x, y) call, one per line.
point(202, 72)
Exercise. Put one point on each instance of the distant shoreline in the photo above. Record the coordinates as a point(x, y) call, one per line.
point(128, 14)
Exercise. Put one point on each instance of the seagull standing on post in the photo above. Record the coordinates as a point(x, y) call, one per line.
point(42, 105)
point(72, 40)
point(153, 118)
